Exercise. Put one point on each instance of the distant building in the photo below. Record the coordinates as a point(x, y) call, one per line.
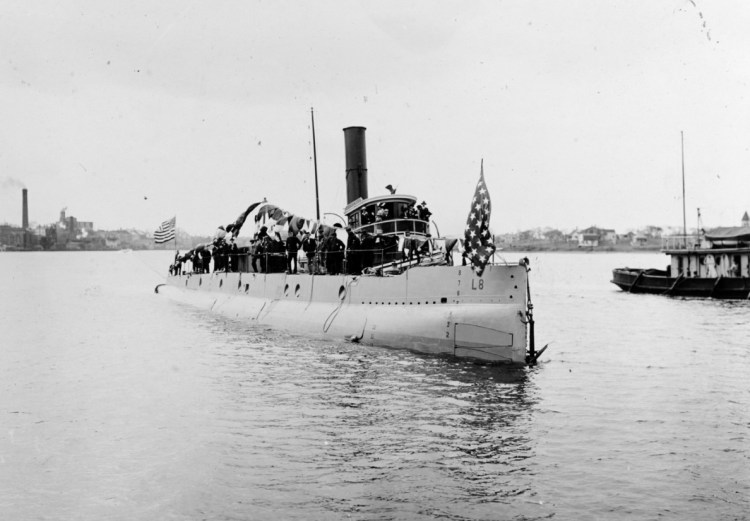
point(593, 237)
point(588, 239)
point(654, 232)
point(609, 236)
point(72, 234)
point(11, 237)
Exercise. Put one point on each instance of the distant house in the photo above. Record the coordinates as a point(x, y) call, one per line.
point(554, 236)
point(654, 232)
point(593, 236)
point(588, 240)
point(639, 241)
point(609, 236)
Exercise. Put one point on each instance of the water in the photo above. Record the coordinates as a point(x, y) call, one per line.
point(117, 403)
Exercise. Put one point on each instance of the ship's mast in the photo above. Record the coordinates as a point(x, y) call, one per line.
point(315, 162)
point(684, 220)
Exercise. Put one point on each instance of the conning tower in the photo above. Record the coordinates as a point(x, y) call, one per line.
point(381, 214)
point(356, 163)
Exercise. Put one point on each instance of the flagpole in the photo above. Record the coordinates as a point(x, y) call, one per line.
point(481, 174)
point(315, 162)
point(684, 221)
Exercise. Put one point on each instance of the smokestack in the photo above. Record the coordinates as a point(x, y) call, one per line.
point(356, 163)
point(25, 214)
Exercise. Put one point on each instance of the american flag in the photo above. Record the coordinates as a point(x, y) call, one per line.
point(166, 231)
point(477, 238)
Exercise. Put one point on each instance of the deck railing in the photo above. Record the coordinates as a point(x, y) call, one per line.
point(391, 226)
point(681, 242)
point(277, 262)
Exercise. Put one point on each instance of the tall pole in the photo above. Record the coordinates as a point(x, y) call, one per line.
point(175, 243)
point(315, 162)
point(684, 221)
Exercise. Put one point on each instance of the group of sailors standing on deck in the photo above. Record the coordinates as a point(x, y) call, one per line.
point(379, 212)
point(225, 255)
point(324, 253)
point(419, 211)
point(327, 254)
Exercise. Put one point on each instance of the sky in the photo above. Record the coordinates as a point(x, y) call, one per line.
point(127, 113)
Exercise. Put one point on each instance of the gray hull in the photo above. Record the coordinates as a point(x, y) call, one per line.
point(438, 309)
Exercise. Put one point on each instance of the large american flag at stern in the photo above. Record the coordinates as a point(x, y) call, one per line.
point(477, 238)
point(166, 231)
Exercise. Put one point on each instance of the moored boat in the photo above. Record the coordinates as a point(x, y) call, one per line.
point(710, 265)
point(393, 285)
point(715, 264)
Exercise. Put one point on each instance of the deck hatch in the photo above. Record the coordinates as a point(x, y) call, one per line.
point(472, 336)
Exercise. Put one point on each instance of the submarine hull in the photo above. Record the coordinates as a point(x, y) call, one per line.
point(437, 310)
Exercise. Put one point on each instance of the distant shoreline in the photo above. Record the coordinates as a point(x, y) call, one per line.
point(610, 248)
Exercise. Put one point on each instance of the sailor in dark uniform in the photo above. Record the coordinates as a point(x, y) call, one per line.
point(334, 253)
point(353, 254)
point(367, 249)
point(424, 212)
point(309, 246)
point(292, 247)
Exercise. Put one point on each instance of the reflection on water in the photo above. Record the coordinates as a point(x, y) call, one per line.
point(349, 429)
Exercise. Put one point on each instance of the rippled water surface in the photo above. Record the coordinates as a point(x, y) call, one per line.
point(117, 403)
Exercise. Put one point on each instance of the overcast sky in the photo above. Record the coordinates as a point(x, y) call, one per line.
point(128, 113)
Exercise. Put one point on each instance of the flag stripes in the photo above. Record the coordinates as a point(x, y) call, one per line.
point(166, 231)
point(477, 238)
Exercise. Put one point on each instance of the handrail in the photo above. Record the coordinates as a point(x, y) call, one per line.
point(374, 258)
point(392, 226)
point(681, 242)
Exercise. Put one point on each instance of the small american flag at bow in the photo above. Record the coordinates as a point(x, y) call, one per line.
point(477, 238)
point(166, 231)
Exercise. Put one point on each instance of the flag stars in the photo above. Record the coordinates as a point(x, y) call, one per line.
point(478, 244)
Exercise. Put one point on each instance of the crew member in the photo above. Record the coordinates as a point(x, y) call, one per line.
point(292, 247)
point(353, 254)
point(309, 246)
point(411, 244)
point(368, 250)
point(206, 260)
point(334, 253)
point(232, 257)
point(424, 212)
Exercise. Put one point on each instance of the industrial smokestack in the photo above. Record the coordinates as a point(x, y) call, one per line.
point(356, 163)
point(25, 210)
